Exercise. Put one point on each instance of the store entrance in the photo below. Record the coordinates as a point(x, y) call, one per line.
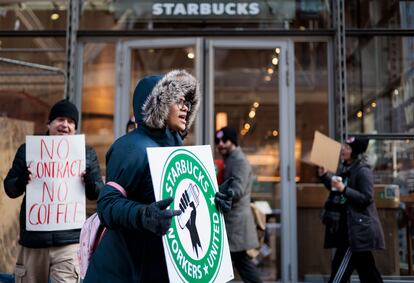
point(247, 84)
point(251, 90)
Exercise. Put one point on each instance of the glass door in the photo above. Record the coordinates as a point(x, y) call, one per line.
point(140, 58)
point(251, 89)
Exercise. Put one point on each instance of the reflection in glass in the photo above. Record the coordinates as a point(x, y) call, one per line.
point(32, 78)
point(98, 99)
point(379, 14)
point(380, 84)
point(22, 15)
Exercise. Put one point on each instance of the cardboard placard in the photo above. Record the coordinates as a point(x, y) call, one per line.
point(325, 152)
point(55, 197)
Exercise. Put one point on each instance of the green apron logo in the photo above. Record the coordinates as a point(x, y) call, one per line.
point(195, 246)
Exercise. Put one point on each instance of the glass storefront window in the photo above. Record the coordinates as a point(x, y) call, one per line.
point(185, 14)
point(379, 14)
point(32, 78)
point(246, 90)
point(380, 84)
point(392, 163)
point(98, 100)
point(33, 15)
point(312, 106)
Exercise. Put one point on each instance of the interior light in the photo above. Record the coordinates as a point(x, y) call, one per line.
point(395, 91)
point(277, 50)
point(221, 120)
point(270, 70)
point(151, 50)
point(373, 104)
point(252, 113)
point(247, 126)
point(256, 104)
point(267, 78)
point(359, 114)
point(243, 132)
point(275, 133)
point(54, 16)
point(190, 55)
point(275, 61)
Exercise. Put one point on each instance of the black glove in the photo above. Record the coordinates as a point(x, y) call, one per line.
point(23, 178)
point(156, 217)
point(89, 179)
point(224, 197)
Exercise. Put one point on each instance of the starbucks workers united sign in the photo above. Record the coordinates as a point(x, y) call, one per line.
point(195, 246)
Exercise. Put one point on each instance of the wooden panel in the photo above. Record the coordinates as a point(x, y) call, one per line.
point(13, 133)
point(314, 195)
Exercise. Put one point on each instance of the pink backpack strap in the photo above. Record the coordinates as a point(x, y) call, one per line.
point(118, 187)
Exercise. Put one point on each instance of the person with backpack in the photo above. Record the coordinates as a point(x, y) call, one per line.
point(44, 255)
point(350, 216)
point(131, 250)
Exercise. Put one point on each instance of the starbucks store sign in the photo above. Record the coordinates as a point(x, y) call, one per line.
point(206, 9)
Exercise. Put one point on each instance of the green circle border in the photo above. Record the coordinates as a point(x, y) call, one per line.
point(174, 156)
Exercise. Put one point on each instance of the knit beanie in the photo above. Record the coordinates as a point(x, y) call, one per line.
point(225, 134)
point(64, 108)
point(358, 145)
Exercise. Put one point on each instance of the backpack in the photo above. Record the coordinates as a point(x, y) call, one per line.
point(91, 234)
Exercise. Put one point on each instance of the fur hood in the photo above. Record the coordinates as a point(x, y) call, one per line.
point(154, 95)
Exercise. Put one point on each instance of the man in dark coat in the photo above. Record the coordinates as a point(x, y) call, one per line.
point(50, 254)
point(132, 250)
point(350, 216)
point(241, 229)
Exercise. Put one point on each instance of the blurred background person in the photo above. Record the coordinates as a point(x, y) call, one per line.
point(351, 217)
point(241, 229)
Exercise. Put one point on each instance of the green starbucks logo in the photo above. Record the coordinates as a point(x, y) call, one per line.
point(194, 244)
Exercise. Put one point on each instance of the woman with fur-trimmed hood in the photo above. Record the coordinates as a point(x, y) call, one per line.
point(132, 250)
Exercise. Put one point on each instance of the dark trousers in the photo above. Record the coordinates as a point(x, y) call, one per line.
point(345, 262)
point(247, 270)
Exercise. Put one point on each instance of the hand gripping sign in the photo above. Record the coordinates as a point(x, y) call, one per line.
point(196, 247)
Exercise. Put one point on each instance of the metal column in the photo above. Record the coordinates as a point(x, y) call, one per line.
point(340, 68)
point(73, 14)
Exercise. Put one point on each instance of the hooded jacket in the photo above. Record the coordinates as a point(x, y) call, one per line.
point(128, 252)
point(359, 227)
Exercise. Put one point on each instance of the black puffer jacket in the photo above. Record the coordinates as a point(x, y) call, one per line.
point(363, 230)
point(43, 239)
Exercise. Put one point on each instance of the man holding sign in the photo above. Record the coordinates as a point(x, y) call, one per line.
point(132, 249)
point(50, 216)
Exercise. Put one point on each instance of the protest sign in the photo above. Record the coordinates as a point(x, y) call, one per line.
point(325, 152)
point(55, 197)
point(196, 247)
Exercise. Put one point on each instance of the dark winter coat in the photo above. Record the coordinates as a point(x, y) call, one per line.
point(44, 239)
point(128, 252)
point(363, 230)
point(240, 226)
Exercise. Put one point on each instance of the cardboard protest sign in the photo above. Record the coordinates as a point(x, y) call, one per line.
point(196, 247)
point(325, 152)
point(55, 197)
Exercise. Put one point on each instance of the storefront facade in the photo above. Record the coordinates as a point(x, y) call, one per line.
point(275, 70)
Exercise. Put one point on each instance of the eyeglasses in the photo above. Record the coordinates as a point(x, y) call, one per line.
point(181, 103)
